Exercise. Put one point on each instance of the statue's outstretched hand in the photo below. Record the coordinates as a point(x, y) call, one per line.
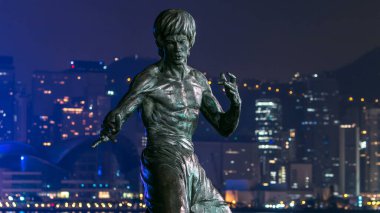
point(110, 128)
point(230, 88)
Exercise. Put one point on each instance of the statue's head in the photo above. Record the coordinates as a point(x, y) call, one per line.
point(173, 22)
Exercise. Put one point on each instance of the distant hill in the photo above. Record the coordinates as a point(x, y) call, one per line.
point(360, 78)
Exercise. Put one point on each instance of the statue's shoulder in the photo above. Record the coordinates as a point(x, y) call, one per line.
point(198, 75)
point(149, 73)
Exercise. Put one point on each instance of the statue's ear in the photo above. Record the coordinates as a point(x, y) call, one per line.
point(159, 42)
point(192, 40)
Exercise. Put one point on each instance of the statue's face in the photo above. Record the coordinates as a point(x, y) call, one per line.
point(176, 49)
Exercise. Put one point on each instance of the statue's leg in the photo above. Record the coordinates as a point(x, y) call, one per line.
point(205, 197)
point(164, 185)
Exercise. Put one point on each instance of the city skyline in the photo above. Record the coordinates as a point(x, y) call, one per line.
point(289, 141)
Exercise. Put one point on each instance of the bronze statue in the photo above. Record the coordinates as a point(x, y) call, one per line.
point(171, 94)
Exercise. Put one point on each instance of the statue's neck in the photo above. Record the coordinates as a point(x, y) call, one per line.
point(178, 71)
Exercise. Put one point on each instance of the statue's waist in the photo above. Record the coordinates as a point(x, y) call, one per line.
point(161, 138)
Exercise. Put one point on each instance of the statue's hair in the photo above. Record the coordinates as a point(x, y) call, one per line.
point(173, 21)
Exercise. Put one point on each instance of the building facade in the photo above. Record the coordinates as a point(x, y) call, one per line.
point(7, 100)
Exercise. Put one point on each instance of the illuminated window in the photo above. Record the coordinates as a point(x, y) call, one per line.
point(44, 117)
point(73, 110)
point(103, 195)
point(46, 143)
point(47, 92)
point(63, 194)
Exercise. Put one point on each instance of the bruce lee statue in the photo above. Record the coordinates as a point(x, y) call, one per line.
point(171, 94)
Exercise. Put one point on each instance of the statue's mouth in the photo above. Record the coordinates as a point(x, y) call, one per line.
point(178, 57)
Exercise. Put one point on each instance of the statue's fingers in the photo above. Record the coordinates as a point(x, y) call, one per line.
point(230, 86)
point(232, 77)
point(109, 126)
point(104, 132)
point(223, 77)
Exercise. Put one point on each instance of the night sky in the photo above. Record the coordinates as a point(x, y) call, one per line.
point(267, 40)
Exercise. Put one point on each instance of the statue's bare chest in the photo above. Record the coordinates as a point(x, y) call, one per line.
point(177, 94)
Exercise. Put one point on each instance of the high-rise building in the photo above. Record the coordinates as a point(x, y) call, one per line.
point(6, 98)
point(372, 128)
point(289, 146)
point(349, 156)
point(318, 104)
point(22, 111)
point(268, 130)
point(69, 104)
point(356, 113)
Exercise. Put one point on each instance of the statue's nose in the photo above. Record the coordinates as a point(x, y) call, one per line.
point(176, 47)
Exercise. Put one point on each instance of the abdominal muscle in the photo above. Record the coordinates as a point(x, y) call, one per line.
point(169, 126)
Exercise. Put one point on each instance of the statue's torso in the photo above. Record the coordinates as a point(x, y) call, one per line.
point(172, 106)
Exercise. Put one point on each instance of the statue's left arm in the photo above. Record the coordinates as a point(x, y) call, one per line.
point(224, 122)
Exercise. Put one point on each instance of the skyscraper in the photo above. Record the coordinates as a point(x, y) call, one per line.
point(70, 103)
point(372, 126)
point(6, 98)
point(268, 135)
point(349, 150)
point(318, 104)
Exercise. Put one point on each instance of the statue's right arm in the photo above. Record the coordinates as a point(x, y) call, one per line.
point(140, 87)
